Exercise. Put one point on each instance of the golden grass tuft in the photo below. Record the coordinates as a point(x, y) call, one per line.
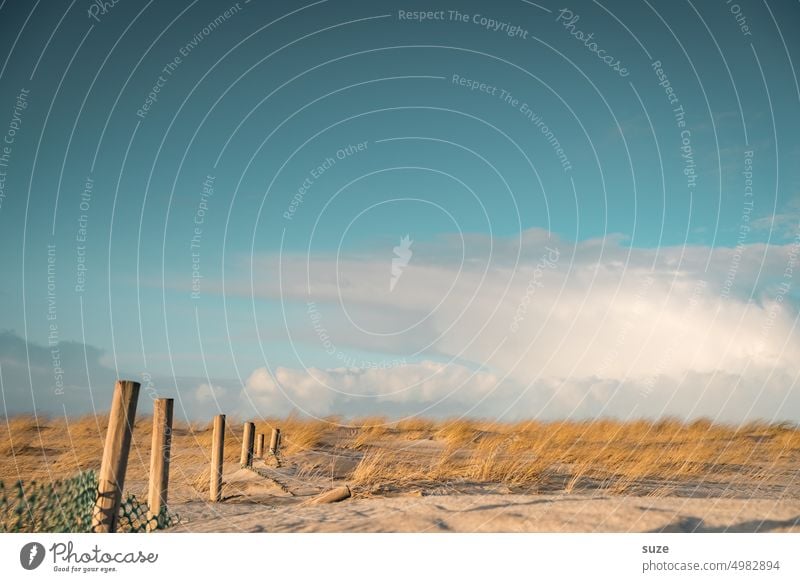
point(202, 481)
point(298, 436)
point(636, 457)
point(620, 457)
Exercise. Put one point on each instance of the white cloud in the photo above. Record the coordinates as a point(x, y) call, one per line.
point(594, 328)
point(455, 391)
point(324, 391)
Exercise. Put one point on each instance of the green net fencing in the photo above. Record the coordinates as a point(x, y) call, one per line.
point(65, 506)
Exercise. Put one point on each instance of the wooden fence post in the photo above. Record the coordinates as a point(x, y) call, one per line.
point(260, 445)
point(248, 439)
point(111, 479)
point(275, 441)
point(217, 453)
point(159, 459)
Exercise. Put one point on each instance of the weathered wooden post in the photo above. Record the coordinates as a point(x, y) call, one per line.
point(248, 439)
point(159, 459)
point(260, 445)
point(217, 452)
point(275, 441)
point(111, 479)
point(332, 496)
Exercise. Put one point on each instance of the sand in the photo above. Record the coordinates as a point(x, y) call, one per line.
point(254, 503)
point(499, 513)
point(424, 476)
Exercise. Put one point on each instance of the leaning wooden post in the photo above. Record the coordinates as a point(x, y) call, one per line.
point(248, 439)
point(111, 479)
point(159, 459)
point(260, 445)
point(217, 452)
point(275, 441)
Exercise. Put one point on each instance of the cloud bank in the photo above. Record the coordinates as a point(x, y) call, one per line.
point(538, 327)
point(531, 327)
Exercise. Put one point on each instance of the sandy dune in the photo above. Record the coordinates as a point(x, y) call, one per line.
point(255, 503)
point(499, 513)
point(463, 476)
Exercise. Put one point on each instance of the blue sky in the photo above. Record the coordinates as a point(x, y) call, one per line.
point(652, 275)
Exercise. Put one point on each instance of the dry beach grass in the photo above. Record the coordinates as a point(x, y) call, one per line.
point(381, 459)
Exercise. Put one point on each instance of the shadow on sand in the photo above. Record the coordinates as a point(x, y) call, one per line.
point(696, 525)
